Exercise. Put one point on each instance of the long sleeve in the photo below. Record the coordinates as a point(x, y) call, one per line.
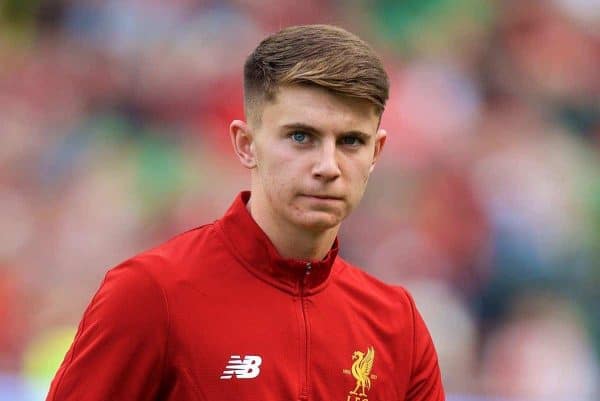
point(119, 350)
point(426, 381)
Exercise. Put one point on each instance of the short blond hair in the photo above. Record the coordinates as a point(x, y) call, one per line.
point(320, 55)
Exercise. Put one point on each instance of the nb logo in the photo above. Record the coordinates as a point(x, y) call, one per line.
point(247, 368)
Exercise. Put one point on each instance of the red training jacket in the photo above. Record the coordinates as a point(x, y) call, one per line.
point(217, 314)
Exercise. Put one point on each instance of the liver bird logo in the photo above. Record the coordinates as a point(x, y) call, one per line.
point(361, 371)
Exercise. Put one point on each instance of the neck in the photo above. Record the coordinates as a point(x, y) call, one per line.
point(293, 242)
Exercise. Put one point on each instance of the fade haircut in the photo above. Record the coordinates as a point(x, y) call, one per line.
point(316, 55)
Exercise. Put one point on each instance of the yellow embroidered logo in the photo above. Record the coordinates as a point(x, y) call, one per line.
point(361, 371)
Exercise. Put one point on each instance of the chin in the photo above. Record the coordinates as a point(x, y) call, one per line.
point(317, 220)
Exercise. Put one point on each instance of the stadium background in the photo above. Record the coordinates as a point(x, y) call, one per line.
point(486, 202)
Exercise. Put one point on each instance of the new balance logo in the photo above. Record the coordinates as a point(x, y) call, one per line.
point(247, 368)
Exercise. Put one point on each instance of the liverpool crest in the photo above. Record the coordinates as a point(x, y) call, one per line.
point(361, 372)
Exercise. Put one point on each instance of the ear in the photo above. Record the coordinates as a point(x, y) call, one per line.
point(380, 138)
point(243, 143)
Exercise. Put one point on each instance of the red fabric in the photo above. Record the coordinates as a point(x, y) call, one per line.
point(165, 324)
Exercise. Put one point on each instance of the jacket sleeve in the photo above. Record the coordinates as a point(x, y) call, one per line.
point(425, 381)
point(119, 350)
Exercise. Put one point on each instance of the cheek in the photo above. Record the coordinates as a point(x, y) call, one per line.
point(276, 171)
point(358, 180)
point(359, 171)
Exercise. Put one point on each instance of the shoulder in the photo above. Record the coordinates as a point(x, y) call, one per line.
point(354, 280)
point(128, 301)
point(181, 245)
point(165, 259)
point(137, 288)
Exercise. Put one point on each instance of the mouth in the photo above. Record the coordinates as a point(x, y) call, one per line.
point(324, 197)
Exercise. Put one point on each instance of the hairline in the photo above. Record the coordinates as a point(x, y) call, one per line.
point(260, 101)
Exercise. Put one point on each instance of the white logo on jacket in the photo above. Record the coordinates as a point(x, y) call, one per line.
point(247, 368)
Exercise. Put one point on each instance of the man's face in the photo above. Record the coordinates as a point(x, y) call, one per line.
point(314, 152)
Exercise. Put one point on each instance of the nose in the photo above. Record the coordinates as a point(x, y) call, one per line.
point(326, 168)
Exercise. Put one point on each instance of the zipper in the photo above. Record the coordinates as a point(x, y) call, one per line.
point(304, 390)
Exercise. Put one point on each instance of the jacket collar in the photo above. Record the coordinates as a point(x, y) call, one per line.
point(251, 246)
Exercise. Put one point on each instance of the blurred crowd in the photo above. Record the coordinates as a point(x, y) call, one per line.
point(485, 204)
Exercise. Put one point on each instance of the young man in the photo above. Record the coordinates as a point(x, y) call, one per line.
point(258, 305)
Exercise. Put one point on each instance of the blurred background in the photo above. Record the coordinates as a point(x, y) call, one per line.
point(485, 204)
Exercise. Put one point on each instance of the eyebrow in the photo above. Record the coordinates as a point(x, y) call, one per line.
point(306, 127)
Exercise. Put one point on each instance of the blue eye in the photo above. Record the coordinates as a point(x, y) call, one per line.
point(351, 140)
point(299, 136)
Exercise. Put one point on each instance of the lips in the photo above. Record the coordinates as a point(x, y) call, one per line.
point(325, 197)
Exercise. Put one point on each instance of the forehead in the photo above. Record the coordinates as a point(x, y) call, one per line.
point(320, 108)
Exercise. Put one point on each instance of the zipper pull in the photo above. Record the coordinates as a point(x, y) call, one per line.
point(308, 268)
